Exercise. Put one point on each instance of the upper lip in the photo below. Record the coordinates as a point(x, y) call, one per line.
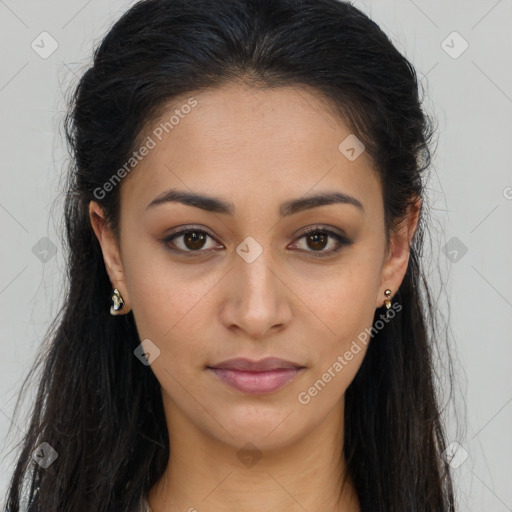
point(266, 364)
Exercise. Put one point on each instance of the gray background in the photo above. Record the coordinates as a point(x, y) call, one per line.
point(470, 194)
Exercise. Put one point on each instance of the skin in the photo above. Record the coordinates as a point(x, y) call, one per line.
point(256, 148)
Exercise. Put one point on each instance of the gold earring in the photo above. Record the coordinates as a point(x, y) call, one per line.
point(117, 303)
point(387, 302)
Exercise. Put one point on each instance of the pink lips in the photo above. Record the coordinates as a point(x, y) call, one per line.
point(256, 377)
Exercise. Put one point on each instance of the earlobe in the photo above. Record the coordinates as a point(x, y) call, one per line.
point(110, 250)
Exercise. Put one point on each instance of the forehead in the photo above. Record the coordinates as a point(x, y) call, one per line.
point(243, 142)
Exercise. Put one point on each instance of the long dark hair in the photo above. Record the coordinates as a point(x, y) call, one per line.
point(95, 399)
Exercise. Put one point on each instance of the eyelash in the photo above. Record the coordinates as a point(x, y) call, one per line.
point(342, 241)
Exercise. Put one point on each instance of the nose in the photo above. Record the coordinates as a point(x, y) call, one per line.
point(257, 299)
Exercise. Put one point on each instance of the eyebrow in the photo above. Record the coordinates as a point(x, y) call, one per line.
point(216, 205)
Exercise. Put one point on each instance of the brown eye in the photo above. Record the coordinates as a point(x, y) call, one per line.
point(189, 241)
point(317, 241)
point(194, 240)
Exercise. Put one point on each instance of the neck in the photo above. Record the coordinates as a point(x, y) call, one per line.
point(205, 474)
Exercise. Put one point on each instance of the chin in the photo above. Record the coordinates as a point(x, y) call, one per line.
point(268, 427)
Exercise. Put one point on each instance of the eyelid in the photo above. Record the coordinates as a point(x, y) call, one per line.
point(180, 231)
point(324, 229)
point(340, 237)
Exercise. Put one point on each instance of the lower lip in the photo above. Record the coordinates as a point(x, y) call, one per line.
point(257, 382)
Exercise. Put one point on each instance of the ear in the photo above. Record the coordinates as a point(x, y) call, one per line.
point(395, 266)
point(111, 253)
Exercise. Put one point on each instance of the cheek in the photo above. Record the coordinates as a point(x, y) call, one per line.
point(165, 305)
point(342, 312)
point(342, 303)
point(340, 308)
point(168, 300)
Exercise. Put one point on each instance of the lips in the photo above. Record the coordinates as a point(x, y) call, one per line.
point(256, 377)
point(264, 365)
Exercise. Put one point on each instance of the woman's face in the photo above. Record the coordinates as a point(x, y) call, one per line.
point(244, 280)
